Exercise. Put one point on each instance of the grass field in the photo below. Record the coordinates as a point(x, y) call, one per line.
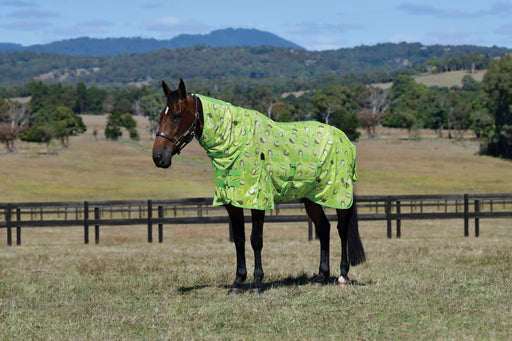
point(447, 79)
point(430, 284)
point(95, 169)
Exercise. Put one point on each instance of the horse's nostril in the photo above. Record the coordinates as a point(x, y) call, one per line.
point(157, 157)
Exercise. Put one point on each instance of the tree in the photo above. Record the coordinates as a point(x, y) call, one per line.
point(436, 115)
point(481, 123)
point(94, 98)
point(13, 117)
point(113, 128)
point(81, 95)
point(409, 104)
point(51, 95)
point(116, 121)
point(458, 116)
point(123, 105)
point(334, 105)
point(347, 122)
point(150, 106)
point(53, 122)
point(375, 104)
point(497, 86)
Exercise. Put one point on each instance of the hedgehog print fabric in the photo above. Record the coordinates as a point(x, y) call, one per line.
point(258, 162)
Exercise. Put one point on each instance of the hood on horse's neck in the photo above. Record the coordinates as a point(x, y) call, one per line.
point(199, 109)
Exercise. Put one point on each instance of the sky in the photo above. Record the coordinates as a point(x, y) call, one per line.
point(314, 24)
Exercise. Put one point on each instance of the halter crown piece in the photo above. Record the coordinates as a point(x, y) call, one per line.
point(187, 136)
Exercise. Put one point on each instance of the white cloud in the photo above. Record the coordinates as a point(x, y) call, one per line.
point(401, 37)
point(26, 25)
point(495, 9)
point(15, 3)
point(34, 13)
point(85, 28)
point(169, 23)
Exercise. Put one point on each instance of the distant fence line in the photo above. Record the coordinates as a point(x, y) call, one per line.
point(151, 213)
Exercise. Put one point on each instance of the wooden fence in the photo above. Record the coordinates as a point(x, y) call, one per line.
point(149, 213)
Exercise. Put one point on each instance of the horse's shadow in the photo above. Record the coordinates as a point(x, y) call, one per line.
point(291, 281)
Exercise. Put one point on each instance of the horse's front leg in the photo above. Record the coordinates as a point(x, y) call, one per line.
point(258, 217)
point(236, 216)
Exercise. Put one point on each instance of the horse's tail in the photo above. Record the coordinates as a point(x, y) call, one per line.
point(356, 253)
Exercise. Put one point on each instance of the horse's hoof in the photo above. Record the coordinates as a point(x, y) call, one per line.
point(320, 280)
point(255, 291)
point(342, 281)
point(235, 291)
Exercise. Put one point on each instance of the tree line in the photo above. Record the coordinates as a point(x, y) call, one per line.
point(240, 63)
point(481, 107)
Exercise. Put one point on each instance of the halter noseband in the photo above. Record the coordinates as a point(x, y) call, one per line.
point(187, 136)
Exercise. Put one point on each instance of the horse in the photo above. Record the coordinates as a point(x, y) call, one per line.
point(258, 162)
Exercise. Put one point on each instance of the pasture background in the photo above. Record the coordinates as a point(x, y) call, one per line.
point(431, 284)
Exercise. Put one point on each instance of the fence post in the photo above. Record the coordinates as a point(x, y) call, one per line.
point(466, 215)
point(160, 225)
point(150, 221)
point(18, 228)
point(398, 222)
point(86, 222)
point(477, 219)
point(96, 226)
point(8, 221)
point(388, 216)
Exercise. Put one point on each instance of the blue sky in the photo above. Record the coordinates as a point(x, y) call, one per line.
point(313, 24)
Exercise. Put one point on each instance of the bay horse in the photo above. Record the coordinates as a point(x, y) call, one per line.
point(258, 162)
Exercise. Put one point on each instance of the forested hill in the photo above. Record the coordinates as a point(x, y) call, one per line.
point(114, 46)
point(262, 63)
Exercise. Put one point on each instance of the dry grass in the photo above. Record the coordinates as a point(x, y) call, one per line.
point(96, 169)
point(431, 284)
point(93, 169)
point(429, 167)
point(444, 79)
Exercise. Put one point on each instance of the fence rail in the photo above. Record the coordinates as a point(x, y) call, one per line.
point(151, 213)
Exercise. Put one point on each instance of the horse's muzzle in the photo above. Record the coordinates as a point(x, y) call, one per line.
point(162, 160)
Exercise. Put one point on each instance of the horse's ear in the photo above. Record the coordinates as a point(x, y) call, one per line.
point(167, 91)
point(182, 90)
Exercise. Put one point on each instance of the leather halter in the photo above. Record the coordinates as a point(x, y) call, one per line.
point(187, 136)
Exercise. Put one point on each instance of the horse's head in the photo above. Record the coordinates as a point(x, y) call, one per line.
point(179, 123)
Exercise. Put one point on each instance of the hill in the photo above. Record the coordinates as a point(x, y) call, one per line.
point(86, 46)
point(295, 69)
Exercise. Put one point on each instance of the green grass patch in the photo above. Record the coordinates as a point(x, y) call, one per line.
point(431, 284)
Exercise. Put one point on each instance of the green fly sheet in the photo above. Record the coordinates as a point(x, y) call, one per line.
point(258, 162)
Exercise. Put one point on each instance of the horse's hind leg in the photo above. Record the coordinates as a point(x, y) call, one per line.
point(343, 233)
point(322, 227)
point(236, 216)
point(258, 217)
point(352, 250)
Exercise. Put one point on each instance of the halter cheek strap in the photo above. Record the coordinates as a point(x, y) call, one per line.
point(187, 136)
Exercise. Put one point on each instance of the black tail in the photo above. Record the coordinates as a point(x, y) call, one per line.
point(356, 253)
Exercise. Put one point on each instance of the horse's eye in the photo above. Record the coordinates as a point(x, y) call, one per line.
point(176, 117)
